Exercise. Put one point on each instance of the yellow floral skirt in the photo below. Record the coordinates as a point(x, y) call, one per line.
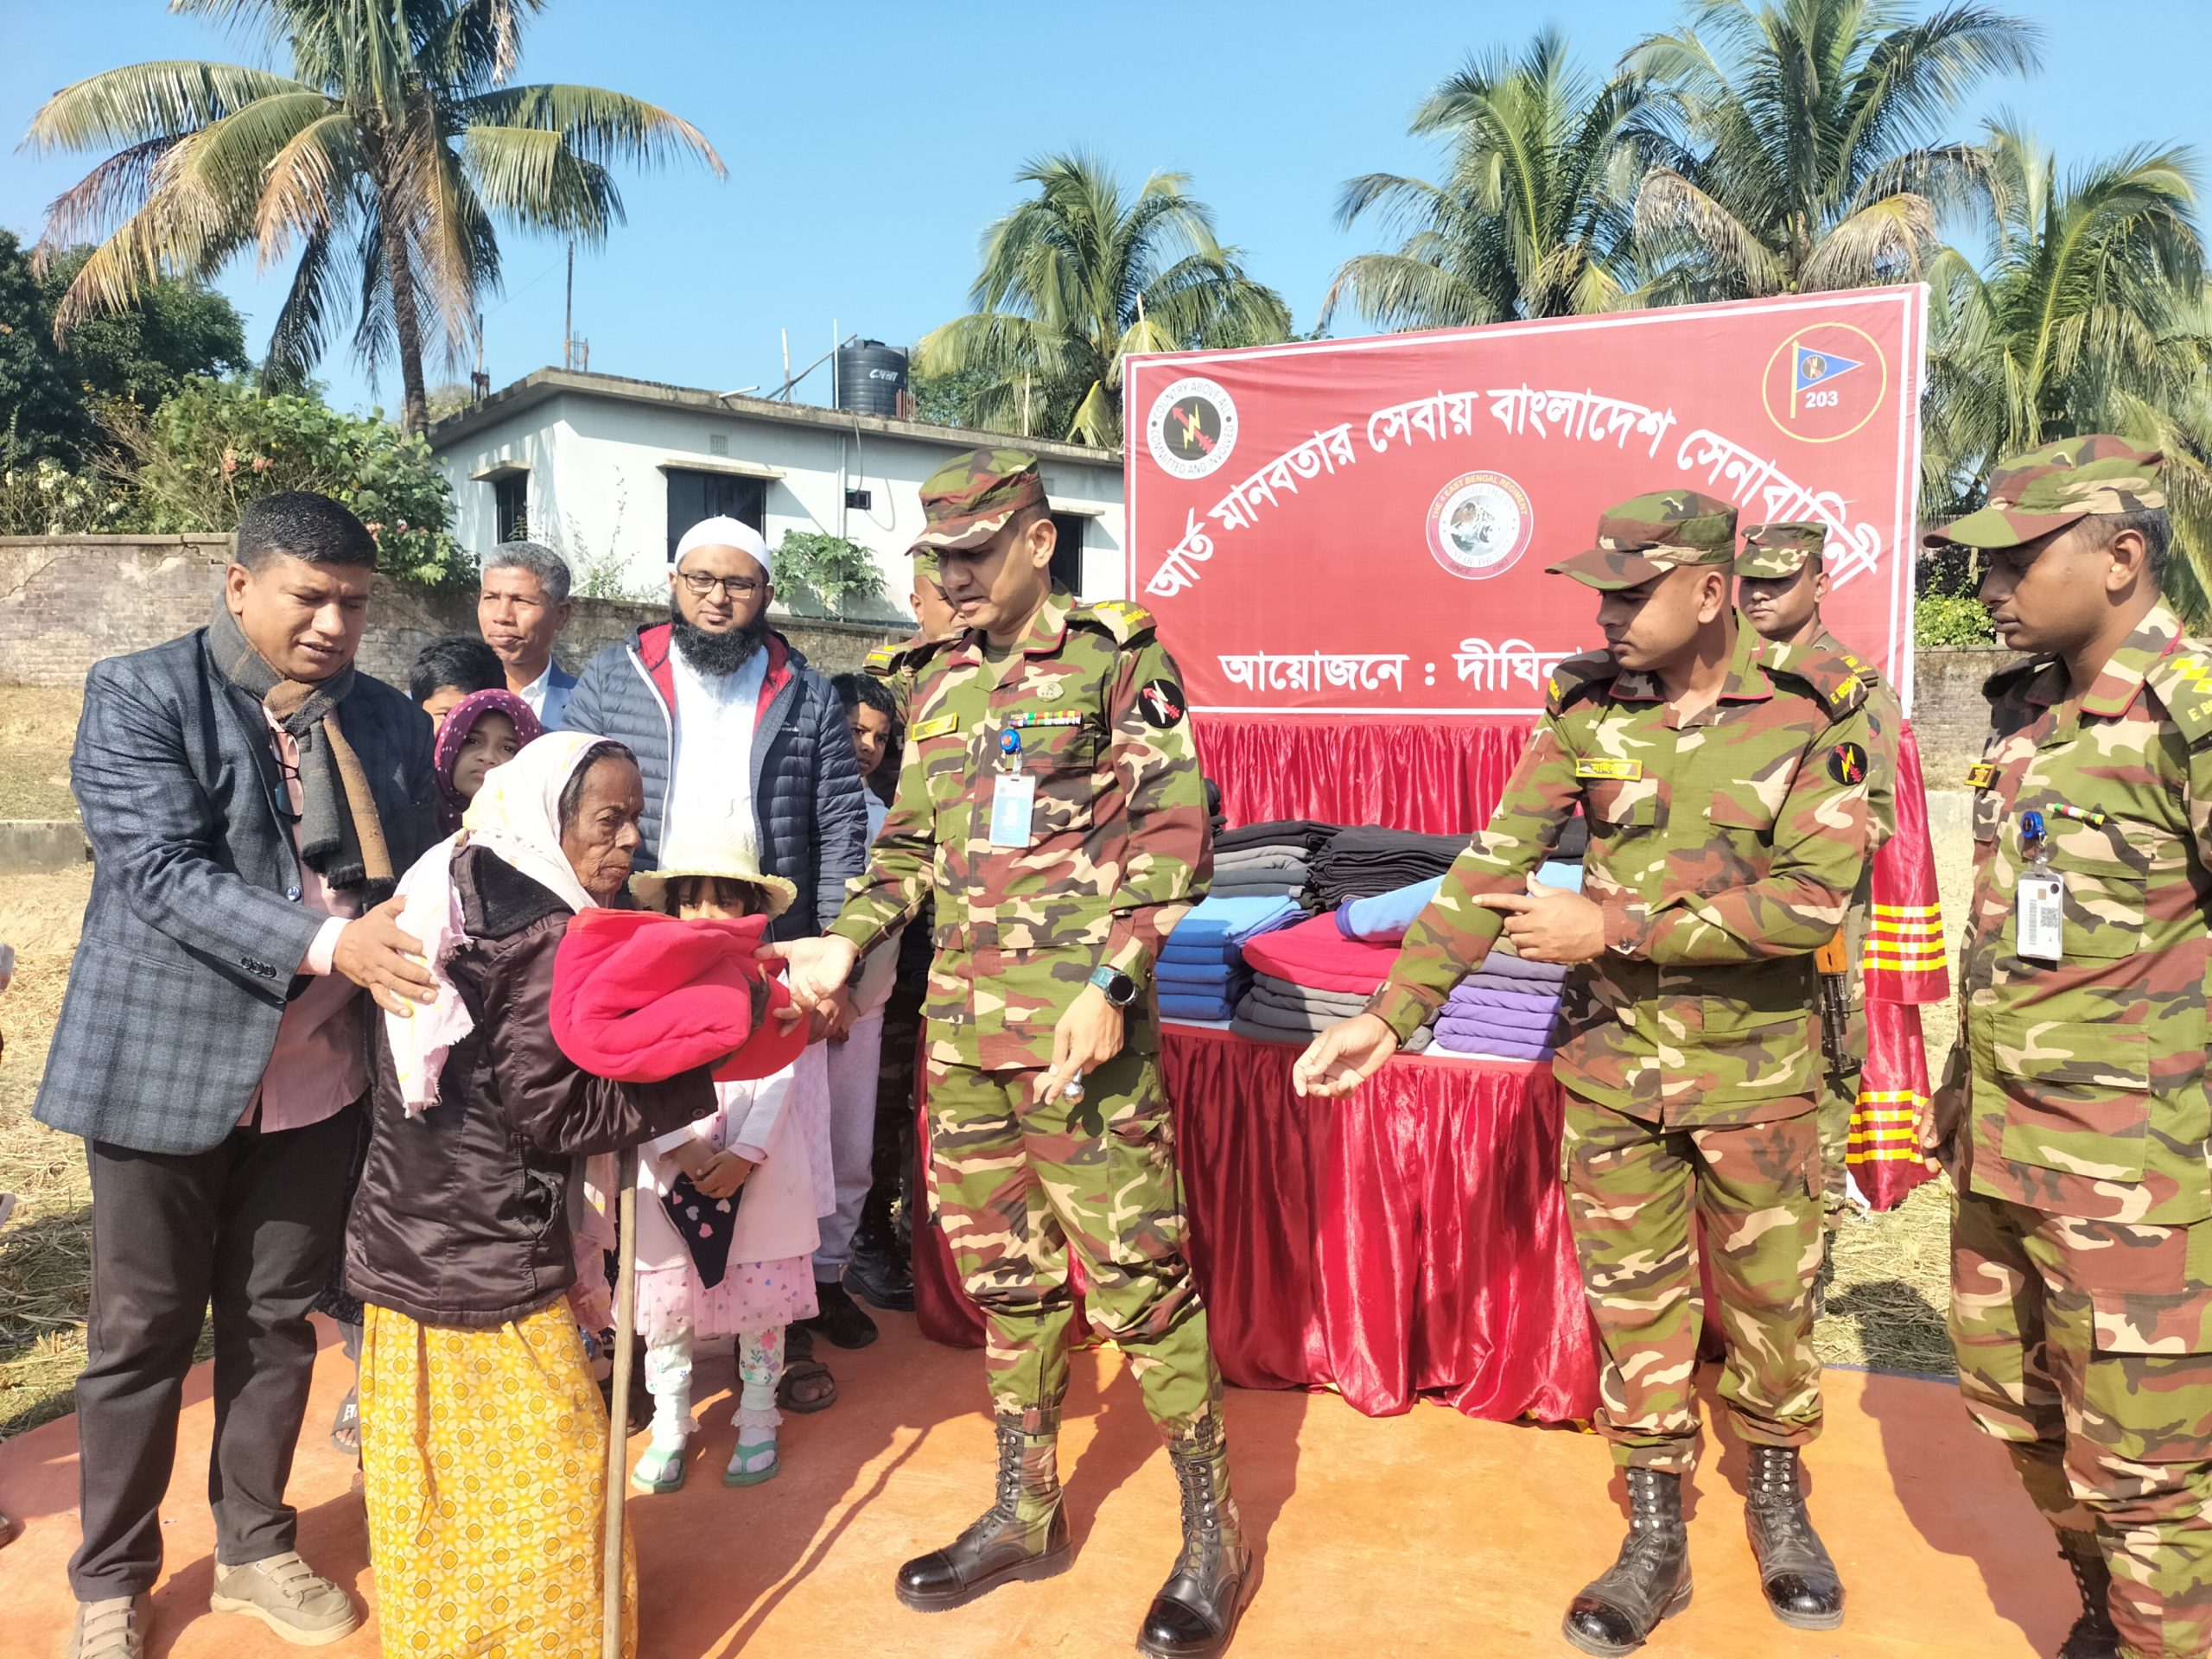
point(484, 1453)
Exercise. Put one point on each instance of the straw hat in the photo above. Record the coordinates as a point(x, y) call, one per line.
point(727, 858)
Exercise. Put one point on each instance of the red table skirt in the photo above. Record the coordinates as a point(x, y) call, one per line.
point(1442, 778)
point(1410, 1240)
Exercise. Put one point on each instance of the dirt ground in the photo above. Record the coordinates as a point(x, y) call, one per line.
point(37, 725)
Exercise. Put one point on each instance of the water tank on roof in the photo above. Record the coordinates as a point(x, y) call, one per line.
point(870, 377)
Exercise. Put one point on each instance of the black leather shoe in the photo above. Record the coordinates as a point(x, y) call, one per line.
point(1195, 1613)
point(1800, 1581)
point(999, 1548)
point(1650, 1581)
point(2093, 1636)
point(840, 1323)
point(880, 1279)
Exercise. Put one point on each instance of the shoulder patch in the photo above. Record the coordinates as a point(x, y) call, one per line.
point(883, 661)
point(2183, 682)
point(1833, 677)
point(1127, 623)
point(1577, 677)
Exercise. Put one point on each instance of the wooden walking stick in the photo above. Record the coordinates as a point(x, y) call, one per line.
point(618, 1404)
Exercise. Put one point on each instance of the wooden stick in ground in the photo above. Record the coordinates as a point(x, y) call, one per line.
point(618, 1404)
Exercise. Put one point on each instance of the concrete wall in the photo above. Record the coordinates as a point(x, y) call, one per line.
point(598, 488)
point(1950, 716)
point(68, 602)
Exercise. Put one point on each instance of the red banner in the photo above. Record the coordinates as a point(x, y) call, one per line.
point(1360, 527)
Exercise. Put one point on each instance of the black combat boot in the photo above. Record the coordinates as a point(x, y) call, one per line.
point(1649, 1581)
point(1794, 1571)
point(2093, 1636)
point(1023, 1536)
point(1196, 1612)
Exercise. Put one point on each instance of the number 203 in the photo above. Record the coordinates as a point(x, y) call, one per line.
point(1822, 399)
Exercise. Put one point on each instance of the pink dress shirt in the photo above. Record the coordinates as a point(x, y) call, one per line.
point(318, 1066)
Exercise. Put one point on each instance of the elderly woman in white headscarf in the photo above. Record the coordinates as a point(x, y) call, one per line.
point(483, 1435)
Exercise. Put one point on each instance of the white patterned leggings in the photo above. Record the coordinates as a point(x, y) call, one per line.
point(668, 1379)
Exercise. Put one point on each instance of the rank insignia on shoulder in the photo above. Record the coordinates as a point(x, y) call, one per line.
point(1048, 717)
point(882, 655)
point(942, 726)
point(1618, 770)
point(1981, 775)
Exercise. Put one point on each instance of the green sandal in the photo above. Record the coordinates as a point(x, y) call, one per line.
point(660, 1469)
point(753, 1462)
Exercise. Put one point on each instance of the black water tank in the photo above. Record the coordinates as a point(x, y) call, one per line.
point(870, 377)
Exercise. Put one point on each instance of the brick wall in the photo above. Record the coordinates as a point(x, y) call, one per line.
point(69, 600)
point(1951, 717)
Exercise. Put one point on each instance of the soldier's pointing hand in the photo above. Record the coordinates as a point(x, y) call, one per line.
point(1549, 924)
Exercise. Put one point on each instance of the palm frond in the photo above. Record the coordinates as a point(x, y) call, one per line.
point(119, 108)
point(599, 126)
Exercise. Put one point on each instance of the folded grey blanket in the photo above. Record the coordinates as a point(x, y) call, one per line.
point(1300, 999)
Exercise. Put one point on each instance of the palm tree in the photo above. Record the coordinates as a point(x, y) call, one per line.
point(1532, 219)
point(387, 157)
point(2089, 313)
point(1807, 133)
point(1078, 276)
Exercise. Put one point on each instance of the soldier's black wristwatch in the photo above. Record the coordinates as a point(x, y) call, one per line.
point(1121, 990)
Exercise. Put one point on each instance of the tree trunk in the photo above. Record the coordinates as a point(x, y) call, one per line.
point(415, 406)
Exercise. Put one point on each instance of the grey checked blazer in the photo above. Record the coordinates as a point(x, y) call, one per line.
point(195, 930)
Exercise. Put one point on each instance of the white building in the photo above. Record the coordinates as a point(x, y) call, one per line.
point(611, 472)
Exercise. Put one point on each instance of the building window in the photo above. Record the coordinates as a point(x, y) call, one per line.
point(694, 496)
point(1067, 552)
point(510, 507)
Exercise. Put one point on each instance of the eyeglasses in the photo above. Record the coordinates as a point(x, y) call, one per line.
point(732, 587)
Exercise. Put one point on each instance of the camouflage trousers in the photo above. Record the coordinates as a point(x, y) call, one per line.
point(2102, 1391)
point(1633, 1189)
point(1017, 1186)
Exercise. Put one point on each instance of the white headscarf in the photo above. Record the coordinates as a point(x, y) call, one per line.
point(727, 533)
point(516, 817)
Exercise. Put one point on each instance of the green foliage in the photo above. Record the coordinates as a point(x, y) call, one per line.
point(382, 163)
point(39, 496)
point(823, 574)
point(1941, 620)
point(1076, 277)
point(216, 445)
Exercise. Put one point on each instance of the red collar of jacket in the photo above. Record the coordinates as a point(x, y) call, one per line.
point(656, 643)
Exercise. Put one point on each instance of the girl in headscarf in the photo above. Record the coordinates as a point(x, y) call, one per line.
point(483, 730)
point(483, 1435)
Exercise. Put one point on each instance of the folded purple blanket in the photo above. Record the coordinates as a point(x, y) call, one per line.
point(1503, 1023)
point(1493, 1048)
point(1499, 966)
point(1468, 998)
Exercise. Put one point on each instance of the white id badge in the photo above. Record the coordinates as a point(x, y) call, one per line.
point(1013, 805)
point(2041, 910)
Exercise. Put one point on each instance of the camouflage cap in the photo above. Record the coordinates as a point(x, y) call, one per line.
point(925, 565)
point(967, 500)
point(1651, 535)
point(2048, 489)
point(1774, 550)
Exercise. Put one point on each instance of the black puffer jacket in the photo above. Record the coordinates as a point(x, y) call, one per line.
point(461, 1215)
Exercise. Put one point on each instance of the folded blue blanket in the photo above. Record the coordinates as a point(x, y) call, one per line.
point(1206, 982)
point(1219, 920)
point(1176, 1006)
point(1384, 919)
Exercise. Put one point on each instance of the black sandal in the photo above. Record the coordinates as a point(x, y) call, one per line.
point(811, 1375)
point(345, 1428)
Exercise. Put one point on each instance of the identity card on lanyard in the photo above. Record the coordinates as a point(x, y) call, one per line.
point(2040, 903)
point(1013, 795)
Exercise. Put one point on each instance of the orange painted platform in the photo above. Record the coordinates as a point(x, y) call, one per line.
point(1422, 1534)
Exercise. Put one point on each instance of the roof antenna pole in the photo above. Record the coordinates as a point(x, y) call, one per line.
point(569, 313)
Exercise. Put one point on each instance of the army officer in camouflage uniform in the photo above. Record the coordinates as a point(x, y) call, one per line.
point(1781, 579)
point(1724, 779)
point(1051, 797)
point(2074, 1116)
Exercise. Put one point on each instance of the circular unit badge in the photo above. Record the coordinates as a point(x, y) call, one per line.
point(1191, 428)
point(1479, 525)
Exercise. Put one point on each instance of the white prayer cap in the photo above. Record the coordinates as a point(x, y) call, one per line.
point(729, 532)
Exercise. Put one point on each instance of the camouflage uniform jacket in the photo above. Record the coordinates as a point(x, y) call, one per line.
point(2080, 1085)
point(1119, 848)
point(897, 665)
point(1885, 718)
point(1721, 852)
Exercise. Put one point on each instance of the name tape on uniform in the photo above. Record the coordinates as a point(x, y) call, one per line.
point(1619, 771)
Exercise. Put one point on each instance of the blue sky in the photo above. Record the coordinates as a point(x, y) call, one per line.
point(865, 158)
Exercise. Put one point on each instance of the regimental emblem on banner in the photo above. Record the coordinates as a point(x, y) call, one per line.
point(1825, 381)
point(1191, 428)
point(1480, 524)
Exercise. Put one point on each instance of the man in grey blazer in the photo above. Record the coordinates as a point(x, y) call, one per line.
point(250, 799)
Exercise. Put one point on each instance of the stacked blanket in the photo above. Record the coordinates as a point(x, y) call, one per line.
point(1270, 859)
point(1361, 862)
point(1384, 919)
point(1307, 977)
point(1201, 972)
